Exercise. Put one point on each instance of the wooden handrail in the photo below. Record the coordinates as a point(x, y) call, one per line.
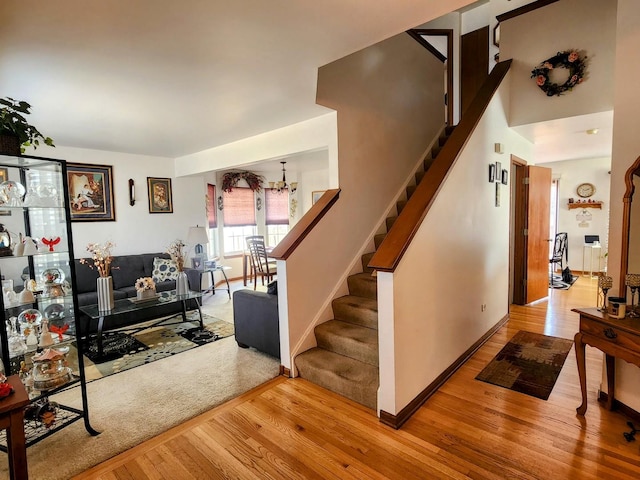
point(301, 229)
point(396, 242)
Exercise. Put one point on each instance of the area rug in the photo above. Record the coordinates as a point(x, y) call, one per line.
point(530, 363)
point(124, 350)
point(560, 284)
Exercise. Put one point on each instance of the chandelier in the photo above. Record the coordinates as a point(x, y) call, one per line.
point(282, 185)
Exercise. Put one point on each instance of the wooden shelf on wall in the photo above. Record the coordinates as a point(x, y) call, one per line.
point(585, 205)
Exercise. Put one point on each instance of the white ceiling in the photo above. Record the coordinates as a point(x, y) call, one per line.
point(567, 138)
point(170, 78)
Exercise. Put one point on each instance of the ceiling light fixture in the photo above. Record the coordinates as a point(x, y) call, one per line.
point(282, 185)
point(592, 131)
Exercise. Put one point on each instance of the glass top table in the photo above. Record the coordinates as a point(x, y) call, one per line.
point(129, 305)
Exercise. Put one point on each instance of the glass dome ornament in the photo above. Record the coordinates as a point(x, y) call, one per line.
point(5, 242)
point(11, 193)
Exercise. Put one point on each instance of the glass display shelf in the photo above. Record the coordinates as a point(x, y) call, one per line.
point(40, 212)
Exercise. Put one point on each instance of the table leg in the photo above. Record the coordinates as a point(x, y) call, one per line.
point(99, 335)
point(244, 269)
point(611, 379)
point(16, 446)
point(227, 280)
point(582, 372)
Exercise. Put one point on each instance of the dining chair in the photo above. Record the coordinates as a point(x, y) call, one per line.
point(261, 265)
point(560, 255)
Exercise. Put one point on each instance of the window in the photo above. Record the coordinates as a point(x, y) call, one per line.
point(276, 216)
point(239, 217)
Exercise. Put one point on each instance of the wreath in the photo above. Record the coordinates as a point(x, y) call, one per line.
point(570, 60)
point(231, 179)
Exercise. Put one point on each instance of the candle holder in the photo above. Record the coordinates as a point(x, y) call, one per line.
point(604, 285)
point(632, 280)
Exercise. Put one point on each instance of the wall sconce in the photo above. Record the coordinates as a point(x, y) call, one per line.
point(220, 205)
point(132, 192)
point(498, 147)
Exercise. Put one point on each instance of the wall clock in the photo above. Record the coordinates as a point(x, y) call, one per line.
point(586, 190)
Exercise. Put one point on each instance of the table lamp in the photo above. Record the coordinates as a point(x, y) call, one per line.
point(198, 237)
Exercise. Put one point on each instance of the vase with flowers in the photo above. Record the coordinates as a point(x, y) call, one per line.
point(100, 260)
point(145, 288)
point(177, 252)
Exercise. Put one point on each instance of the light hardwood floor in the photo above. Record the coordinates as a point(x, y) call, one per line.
point(289, 428)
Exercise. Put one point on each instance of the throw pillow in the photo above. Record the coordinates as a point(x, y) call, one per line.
point(164, 269)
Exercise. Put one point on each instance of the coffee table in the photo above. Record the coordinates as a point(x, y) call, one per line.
point(129, 305)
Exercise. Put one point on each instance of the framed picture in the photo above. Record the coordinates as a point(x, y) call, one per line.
point(497, 194)
point(315, 196)
point(505, 176)
point(492, 172)
point(4, 176)
point(160, 196)
point(197, 263)
point(498, 171)
point(91, 192)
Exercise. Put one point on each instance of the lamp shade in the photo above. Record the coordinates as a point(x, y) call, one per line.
point(197, 236)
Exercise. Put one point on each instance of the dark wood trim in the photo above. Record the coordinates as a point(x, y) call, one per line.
point(396, 421)
point(290, 242)
point(626, 223)
point(530, 7)
point(396, 242)
point(415, 33)
point(284, 371)
point(619, 406)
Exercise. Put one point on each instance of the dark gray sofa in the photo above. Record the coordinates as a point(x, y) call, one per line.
point(125, 270)
point(256, 322)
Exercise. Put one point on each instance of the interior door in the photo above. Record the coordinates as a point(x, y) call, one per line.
point(536, 239)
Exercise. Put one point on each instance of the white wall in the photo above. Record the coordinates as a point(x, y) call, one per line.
point(587, 25)
point(458, 260)
point(135, 229)
point(626, 148)
point(572, 173)
point(381, 95)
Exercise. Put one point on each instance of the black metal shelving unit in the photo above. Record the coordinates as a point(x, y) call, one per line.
point(46, 215)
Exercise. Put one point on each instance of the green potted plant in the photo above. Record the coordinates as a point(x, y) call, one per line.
point(15, 132)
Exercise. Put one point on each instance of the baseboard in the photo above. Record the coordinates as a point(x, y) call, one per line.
point(285, 372)
point(396, 421)
point(621, 407)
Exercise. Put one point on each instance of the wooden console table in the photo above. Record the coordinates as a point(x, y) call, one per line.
point(12, 420)
point(615, 337)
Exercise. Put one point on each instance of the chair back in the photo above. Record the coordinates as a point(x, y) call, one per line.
point(560, 247)
point(258, 254)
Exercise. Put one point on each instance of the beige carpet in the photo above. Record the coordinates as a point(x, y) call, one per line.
point(140, 403)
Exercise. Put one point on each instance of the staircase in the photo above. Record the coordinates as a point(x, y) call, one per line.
point(346, 358)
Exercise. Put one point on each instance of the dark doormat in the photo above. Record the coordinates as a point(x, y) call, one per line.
point(114, 345)
point(530, 363)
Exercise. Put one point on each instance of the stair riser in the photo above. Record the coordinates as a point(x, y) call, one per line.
point(366, 258)
point(363, 392)
point(361, 344)
point(377, 240)
point(353, 313)
point(363, 288)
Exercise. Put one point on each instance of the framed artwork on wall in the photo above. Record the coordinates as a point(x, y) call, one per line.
point(91, 192)
point(505, 176)
point(492, 172)
point(160, 195)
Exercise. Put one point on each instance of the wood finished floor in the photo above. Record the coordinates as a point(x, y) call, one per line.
point(291, 429)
